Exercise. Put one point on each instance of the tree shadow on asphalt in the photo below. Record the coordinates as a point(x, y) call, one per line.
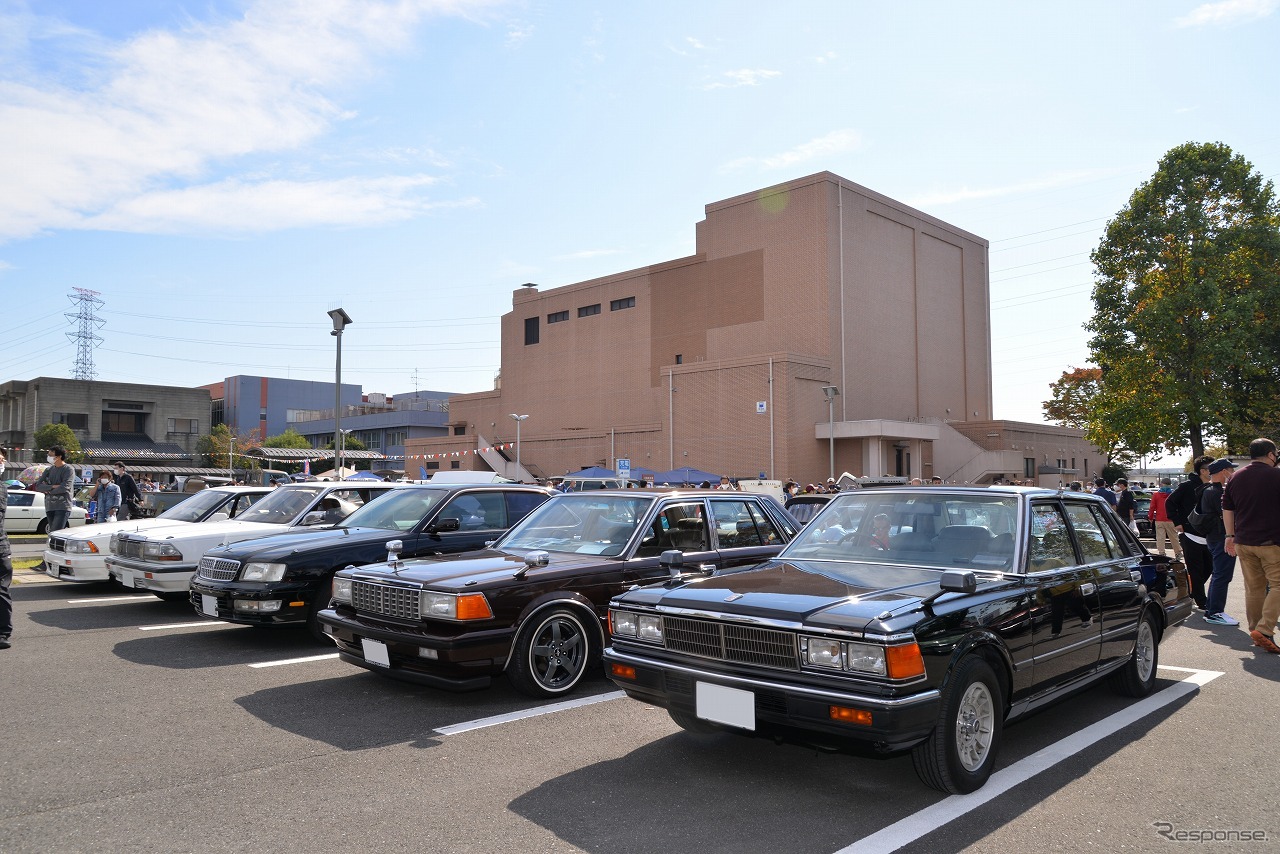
point(218, 646)
point(683, 792)
point(364, 710)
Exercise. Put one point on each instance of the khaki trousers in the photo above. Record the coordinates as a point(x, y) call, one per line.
point(1260, 570)
point(1166, 530)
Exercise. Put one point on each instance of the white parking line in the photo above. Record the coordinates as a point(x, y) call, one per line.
point(180, 626)
point(295, 660)
point(481, 723)
point(110, 599)
point(927, 820)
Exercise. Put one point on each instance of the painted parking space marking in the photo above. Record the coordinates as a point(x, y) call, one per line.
point(481, 723)
point(917, 825)
point(303, 660)
point(105, 599)
point(180, 626)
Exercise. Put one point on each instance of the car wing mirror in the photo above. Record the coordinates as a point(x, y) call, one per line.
point(673, 561)
point(444, 526)
point(953, 581)
point(220, 516)
point(315, 517)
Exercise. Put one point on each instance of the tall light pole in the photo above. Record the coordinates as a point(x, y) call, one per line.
point(519, 468)
point(831, 393)
point(340, 321)
point(231, 448)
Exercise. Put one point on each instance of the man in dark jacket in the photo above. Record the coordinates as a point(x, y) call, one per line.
point(1125, 504)
point(1100, 489)
point(130, 495)
point(1215, 535)
point(6, 568)
point(1181, 502)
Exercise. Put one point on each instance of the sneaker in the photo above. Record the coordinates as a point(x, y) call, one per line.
point(1221, 619)
point(4, 642)
point(1264, 641)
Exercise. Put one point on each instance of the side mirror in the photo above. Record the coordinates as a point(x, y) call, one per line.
point(444, 526)
point(218, 517)
point(959, 581)
point(673, 560)
point(315, 517)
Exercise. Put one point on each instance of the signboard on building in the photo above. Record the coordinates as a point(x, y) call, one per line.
point(624, 468)
point(762, 406)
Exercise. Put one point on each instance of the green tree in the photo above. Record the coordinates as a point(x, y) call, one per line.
point(1080, 399)
point(290, 438)
point(215, 447)
point(59, 434)
point(1186, 323)
point(350, 443)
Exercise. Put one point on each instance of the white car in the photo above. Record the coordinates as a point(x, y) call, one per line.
point(26, 513)
point(81, 555)
point(164, 560)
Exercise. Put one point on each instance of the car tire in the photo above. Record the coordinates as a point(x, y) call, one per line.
point(692, 723)
point(960, 754)
point(1138, 676)
point(318, 604)
point(173, 595)
point(43, 527)
point(553, 651)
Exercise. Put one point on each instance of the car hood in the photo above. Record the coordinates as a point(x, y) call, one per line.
point(309, 540)
point(817, 593)
point(230, 529)
point(475, 569)
point(106, 529)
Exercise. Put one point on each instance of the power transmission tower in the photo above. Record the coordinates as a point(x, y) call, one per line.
point(86, 335)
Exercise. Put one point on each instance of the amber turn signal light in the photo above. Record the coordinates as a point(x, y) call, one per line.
point(473, 606)
point(904, 662)
point(622, 671)
point(849, 716)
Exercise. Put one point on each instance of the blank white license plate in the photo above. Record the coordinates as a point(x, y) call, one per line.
point(375, 652)
point(726, 705)
point(126, 579)
point(209, 604)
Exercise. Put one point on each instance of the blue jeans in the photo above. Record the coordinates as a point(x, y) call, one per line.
point(56, 518)
point(1224, 569)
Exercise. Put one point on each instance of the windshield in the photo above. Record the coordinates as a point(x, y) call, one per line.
point(399, 511)
point(282, 506)
point(196, 507)
point(581, 524)
point(931, 528)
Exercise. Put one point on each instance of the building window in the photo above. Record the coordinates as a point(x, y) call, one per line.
point(432, 465)
point(588, 310)
point(124, 422)
point(558, 317)
point(396, 438)
point(620, 304)
point(679, 359)
point(124, 404)
point(184, 425)
point(460, 430)
point(74, 420)
point(1029, 467)
point(372, 439)
point(530, 330)
point(455, 464)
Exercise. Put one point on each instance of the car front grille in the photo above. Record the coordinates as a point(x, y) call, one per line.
point(386, 600)
point(127, 548)
point(732, 642)
point(57, 544)
point(218, 568)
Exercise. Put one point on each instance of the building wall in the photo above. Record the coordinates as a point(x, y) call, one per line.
point(262, 404)
point(811, 283)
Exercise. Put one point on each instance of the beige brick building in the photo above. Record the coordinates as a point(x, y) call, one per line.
point(719, 360)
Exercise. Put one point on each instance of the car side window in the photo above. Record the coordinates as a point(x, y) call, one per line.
point(21, 499)
point(677, 526)
point(1093, 545)
point(520, 503)
point(351, 496)
point(735, 526)
point(478, 511)
point(1049, 545)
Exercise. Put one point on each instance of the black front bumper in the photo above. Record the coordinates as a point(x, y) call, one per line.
point(792, 712)
point(296, 601)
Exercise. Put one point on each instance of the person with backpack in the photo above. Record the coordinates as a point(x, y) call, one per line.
point(1207, 518)
point(1196, 553)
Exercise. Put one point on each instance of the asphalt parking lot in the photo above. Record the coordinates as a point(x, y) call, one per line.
point(135, 725)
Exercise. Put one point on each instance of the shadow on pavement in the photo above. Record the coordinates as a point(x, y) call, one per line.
point(217, 646)
point(115, 615)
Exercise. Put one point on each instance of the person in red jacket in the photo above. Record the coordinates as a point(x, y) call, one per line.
point(1159, 516)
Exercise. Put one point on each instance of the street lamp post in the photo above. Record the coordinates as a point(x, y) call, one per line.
point(519, 468)
point(831, 393)
point(231, 448)
point(340, 321)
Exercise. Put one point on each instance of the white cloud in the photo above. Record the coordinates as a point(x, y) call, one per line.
point(1227, 12)
point(826, 57)
point(584, 254)
point(836, 142)
point(743, 77)
point(518, 33)
point(965, 194)
point(161, 109)
point(694, 43)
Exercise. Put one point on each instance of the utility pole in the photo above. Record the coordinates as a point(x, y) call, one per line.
point(86, 335)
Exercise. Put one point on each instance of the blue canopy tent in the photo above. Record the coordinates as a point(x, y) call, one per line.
point(364, 475)
point(594, 471)
point(675, 477)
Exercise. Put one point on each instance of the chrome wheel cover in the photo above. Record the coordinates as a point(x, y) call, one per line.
point(975, 726)
point(1144, 651)
point(557, 655)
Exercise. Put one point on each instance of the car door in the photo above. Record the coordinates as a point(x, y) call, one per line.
point(744, 534)
point(21, 517)
point(1065, 618)
point(480, 517)
point(679, 525)
point(1119, 577)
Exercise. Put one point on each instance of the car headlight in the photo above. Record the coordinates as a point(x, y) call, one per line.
point(341, 589)
point(160, 551)
point(450, 606)
point(844, 655)
point(262, 572)
point(622, 623)
point(80, 547)
point(864, 658)
point(821, 652)
point(649, 628)
point(114, 545)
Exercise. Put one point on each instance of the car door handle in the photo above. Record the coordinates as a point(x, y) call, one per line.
point(1088, 589)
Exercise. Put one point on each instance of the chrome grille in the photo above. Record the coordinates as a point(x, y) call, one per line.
point(218, 568)
point(57, 544)
point(732, 642)
point(386, 600)
point(128, 548)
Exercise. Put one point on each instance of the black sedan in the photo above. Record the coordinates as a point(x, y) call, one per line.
point(285, 580)
point(533, 606)
point(907, 620)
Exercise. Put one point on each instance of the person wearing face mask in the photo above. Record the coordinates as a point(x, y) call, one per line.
point(130, 495)
point(58, 484)
point(108, 497)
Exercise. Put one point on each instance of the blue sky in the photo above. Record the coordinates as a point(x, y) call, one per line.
point(223, 173)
